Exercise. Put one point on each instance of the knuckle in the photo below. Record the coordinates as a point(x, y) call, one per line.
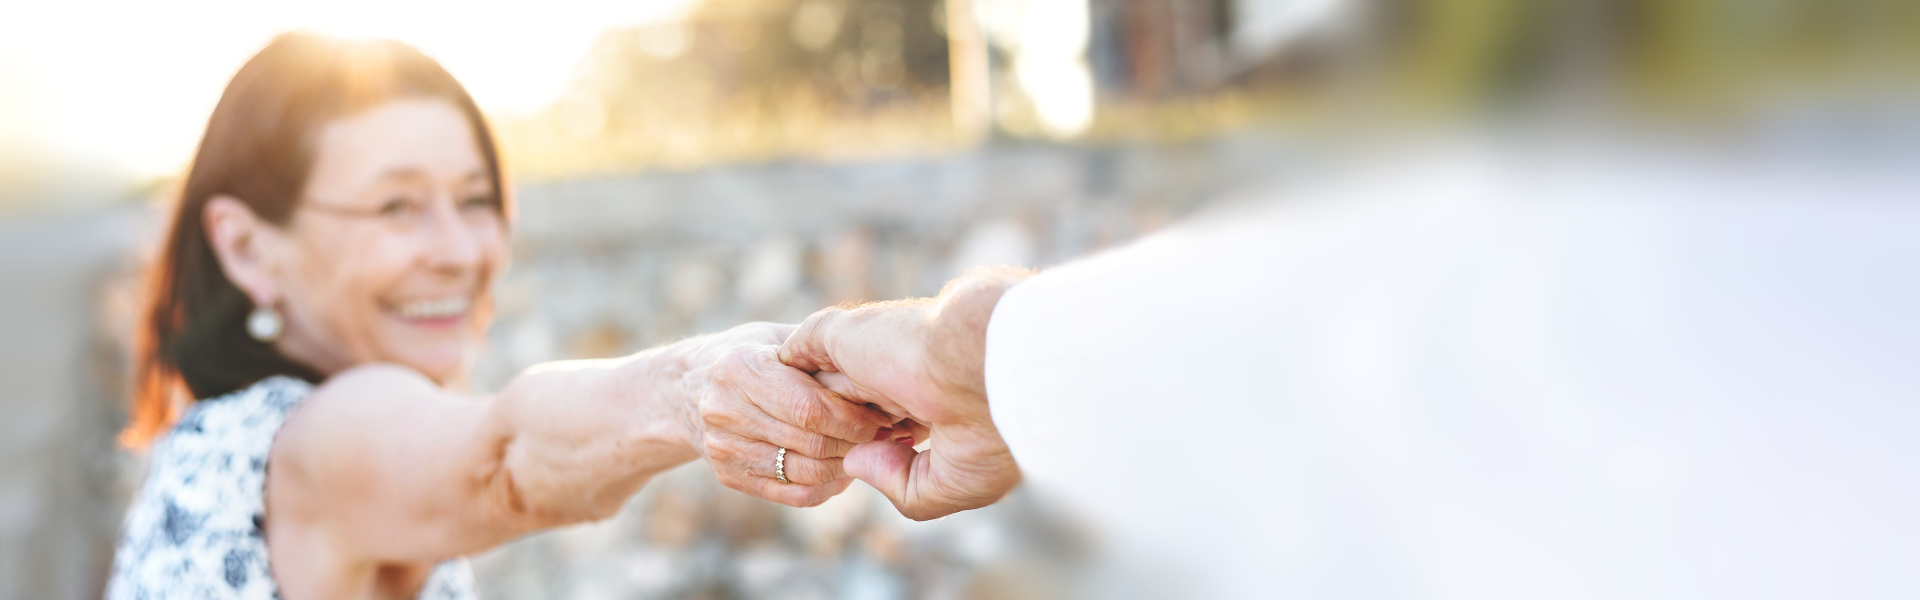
point(734, 363)
point(808, 472)
point(811, 415)
point(817, 446)
point(818, 320)
point(720, 451)
point(847, 423)
point(733, 353)
point(711, 404)
point(717, 416)
point(818, 472)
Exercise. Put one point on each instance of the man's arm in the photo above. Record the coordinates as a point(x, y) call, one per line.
point(921, 360)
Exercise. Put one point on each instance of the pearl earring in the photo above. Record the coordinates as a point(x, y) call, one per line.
point(264, 324)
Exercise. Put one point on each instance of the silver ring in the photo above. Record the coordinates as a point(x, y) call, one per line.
point(780, 466)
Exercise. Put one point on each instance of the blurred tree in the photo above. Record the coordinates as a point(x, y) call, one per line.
point(750, 79)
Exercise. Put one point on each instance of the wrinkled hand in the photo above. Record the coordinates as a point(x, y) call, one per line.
point(920, 360)
point(750, 405)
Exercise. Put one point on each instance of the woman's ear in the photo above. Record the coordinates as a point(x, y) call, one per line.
point(239, 240)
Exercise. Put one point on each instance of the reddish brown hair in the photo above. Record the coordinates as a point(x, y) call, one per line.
point(192, 340)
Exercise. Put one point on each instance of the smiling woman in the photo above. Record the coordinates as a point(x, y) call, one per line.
point(311, 318)
point(405, 229)
point(252, 169)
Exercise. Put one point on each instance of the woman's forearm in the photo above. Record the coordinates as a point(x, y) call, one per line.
point(585, 435)
point(582, 436)
point(381, 464)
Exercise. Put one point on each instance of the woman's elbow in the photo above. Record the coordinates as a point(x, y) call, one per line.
point(527, 492)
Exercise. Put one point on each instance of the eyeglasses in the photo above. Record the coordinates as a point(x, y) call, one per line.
point(415, 213)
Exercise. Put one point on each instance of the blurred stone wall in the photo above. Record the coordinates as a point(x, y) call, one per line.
point(63, 482)
point(610, 266)
point(616, 265)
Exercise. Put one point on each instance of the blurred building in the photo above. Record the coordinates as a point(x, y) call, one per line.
point(836, 79)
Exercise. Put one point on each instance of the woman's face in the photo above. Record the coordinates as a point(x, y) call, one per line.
point(390, 254)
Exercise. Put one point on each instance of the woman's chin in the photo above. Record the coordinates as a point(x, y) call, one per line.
point(440, 348)
point(441, 364)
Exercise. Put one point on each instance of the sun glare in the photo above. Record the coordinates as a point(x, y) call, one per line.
point(129, 84)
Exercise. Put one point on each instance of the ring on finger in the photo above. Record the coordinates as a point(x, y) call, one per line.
point(780, 466)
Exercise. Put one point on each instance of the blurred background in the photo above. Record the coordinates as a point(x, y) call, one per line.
point(686, 165)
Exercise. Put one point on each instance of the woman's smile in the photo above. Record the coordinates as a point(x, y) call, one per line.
point(440, 312)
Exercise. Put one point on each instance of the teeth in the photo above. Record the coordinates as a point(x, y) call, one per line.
point(434, 309)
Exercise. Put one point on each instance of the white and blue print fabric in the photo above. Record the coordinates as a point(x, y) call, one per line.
point(195, 531)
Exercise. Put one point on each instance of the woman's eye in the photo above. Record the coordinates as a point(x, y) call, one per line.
point(397, 207)
point(477, 202)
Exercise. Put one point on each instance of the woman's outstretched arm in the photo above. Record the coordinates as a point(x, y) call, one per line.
point(381, 466)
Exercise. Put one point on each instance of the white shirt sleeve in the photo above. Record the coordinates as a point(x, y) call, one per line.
point(1459, 384)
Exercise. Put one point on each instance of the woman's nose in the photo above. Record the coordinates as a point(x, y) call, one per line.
point(451, 245)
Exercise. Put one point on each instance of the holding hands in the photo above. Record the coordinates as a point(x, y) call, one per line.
point(884, 376)
point(750, 407)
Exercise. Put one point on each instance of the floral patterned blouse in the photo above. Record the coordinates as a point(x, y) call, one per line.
point(195, 530)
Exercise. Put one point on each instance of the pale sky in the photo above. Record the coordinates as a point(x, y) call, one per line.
point(129, 84)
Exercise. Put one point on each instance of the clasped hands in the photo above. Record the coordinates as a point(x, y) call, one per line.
point(849, 393)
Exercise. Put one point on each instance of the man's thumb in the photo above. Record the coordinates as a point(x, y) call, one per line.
point(887, 466)
point(804, 349)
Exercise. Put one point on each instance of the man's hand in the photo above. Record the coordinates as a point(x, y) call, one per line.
point(750, 406)
point(920, 360)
